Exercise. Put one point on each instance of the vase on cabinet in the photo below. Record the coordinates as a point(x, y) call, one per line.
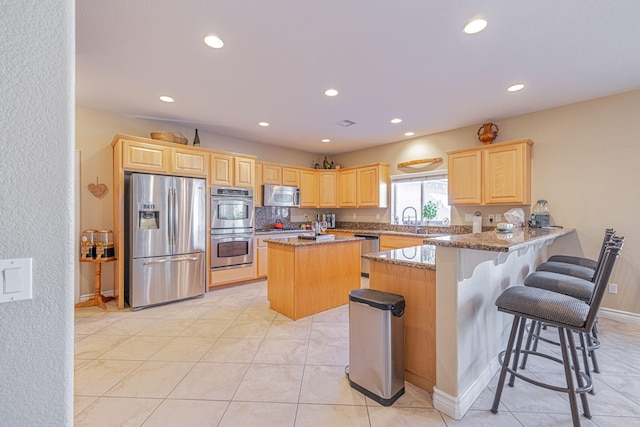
point(488, 132)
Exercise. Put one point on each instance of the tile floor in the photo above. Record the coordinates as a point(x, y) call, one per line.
point(228, 360)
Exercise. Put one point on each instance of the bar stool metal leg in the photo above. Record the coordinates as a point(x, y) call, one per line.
point(505, 363)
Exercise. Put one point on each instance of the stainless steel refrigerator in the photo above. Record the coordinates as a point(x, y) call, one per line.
point(166, 238)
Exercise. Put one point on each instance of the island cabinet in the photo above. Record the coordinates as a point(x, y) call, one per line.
point(390, 241)
point(498, 174)
point(229, 170)
point(307, 277)
point(308, 189)
point(418, 287)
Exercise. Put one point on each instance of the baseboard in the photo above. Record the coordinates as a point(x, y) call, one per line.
point(457, 407)
point(619, 316)
point(83, 298)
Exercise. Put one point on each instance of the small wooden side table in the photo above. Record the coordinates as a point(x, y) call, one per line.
point(97, 298)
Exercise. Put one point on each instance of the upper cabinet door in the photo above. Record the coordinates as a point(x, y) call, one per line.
point(271, 174)
point(465, 183)
point(291, 177)
point(507, 174)
point(189, 162)
point(373, 186)
point(145, 157)
point(328, 189)
point(308, 189)
point(221, 170)
point(245, 172)
point(347, 188)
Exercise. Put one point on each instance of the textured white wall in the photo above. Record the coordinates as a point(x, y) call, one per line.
point(36, 209)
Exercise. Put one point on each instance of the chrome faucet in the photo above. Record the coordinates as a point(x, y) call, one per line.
point(415, 213)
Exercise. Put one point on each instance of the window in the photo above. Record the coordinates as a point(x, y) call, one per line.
point(410, 193)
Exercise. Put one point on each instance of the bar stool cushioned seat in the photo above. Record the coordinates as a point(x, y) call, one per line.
point(574, 270)
point(560, 283)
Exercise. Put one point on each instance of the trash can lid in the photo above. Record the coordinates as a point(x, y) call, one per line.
point(379, 299)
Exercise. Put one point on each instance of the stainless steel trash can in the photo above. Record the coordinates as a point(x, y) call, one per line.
point(376, 344)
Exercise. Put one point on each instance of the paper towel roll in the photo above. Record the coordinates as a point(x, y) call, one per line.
point(477, 224)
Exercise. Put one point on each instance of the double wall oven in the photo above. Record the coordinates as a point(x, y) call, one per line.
point(232, 223)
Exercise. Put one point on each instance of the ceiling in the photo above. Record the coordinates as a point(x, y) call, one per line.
point(387, 58)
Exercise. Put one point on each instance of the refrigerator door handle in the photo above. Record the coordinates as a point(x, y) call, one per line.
point(170, 219)
point(162, 261)
point(175, 216)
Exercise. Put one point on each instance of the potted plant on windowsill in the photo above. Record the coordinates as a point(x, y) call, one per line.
point(430, 211)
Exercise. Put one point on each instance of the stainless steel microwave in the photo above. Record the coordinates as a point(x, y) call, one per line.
point(280, 195)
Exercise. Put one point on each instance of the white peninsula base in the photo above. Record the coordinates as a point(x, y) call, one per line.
point(470, 331)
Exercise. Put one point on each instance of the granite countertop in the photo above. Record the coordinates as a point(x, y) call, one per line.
point(275, 232)
point(423, 257)
point(294, 241)
point(390, 232)
point(500, 241)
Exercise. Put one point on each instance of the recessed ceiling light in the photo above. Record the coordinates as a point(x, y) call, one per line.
point(475, 26)
point(515, 88)
point(326, 140)
point(213, 41)
point(409, 133)
point(263, 124)
point(331, 92)
point(165, 98)
point(396, 121)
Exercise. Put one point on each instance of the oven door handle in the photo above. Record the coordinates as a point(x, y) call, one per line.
point(162, 261)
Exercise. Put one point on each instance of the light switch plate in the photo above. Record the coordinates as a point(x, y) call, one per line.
point(15, 279)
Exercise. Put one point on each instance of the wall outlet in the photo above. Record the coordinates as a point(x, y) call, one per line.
point(377, 216)
point(613, 288)
point(491, 218)
point(354, 215)
point(468, 217)
point(498, 218)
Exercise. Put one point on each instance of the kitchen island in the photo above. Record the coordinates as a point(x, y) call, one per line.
point(306, 277)
point(471, 271)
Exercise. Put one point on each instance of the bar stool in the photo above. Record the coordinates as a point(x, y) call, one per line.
point(568, 315)
point(572, 276)
point(583, 268)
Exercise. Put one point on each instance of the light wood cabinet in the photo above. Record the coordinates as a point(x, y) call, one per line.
point(221, 169)
point(507, 174)
point(328, 189)
point(291, 176)
point(347, 188)
point(144, 156)
point(389, 242)
point(308, 189)
point(232, 171)
point(189, 162)
point(418, 286)
point(245, 170)
point(464, 178)
point(499, 174)
point(271, 174)
point(261, 257)
point(373, 186)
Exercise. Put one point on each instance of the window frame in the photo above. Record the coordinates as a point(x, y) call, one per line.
point(417, 177)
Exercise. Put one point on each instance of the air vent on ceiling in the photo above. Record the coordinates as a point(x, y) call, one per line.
point(346, 123)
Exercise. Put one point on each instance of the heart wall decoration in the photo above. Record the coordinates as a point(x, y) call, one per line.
point(97, 189)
